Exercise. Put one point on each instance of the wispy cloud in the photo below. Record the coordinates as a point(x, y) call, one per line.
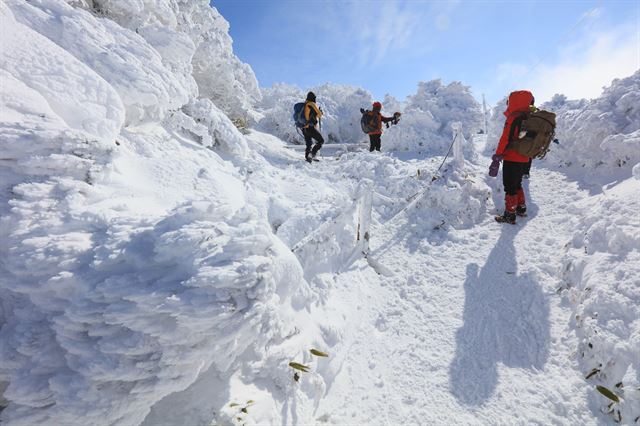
point(584, 66)
point(370, 30)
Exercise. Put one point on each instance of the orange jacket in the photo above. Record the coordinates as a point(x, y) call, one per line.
point(311, 113)
point(517, 105)
point(379, 119)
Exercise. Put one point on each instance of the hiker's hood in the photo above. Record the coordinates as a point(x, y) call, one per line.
point(519, 101)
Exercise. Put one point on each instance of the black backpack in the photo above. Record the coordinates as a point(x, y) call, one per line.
point(540, 128)
point(368, 121)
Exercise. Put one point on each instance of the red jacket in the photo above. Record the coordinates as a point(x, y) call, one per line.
point(379, 119)
point(517, 105)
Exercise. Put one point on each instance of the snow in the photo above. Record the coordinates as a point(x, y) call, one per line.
point(161, 266)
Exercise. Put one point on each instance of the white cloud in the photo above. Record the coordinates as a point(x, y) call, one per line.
point(386, 26)
point(584, 68)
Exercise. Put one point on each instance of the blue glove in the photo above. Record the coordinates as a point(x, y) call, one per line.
point(495, 165)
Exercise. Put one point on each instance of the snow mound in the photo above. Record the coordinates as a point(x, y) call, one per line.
point(72, 91)
point(601, 274)
point(134, 258)
point(121, 57)
point(429, 114)
point(193, 40)
point(602, 135)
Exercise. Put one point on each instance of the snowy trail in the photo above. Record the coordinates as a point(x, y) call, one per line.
point(469, 325)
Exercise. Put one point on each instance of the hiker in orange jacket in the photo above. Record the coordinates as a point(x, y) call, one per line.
point(515, 165)
point(376, 135)
point(312, 115)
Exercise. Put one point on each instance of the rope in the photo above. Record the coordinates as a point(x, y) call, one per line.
point(415, 197)
point(445, 157)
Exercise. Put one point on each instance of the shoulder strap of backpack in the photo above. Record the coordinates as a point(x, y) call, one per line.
point(516, 123)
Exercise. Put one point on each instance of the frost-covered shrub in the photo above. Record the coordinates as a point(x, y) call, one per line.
point(219, 130)
point(426, 123)
point(340, 105)
point(601, 135)
point(496, 124)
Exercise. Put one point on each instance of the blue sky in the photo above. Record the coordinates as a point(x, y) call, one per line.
point(570, 47)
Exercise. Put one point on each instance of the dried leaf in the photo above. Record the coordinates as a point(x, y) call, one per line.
point(251, 401)
point(233, 404)
point(296, 376)
point(297, 366)
point(319, 353)
point(244, 410)
point(606, 392)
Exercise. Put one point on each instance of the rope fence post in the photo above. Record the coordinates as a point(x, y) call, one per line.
point(363, 229)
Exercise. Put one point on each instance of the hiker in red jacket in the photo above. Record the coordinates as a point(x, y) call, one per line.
point(376, 135)
point(515, 165)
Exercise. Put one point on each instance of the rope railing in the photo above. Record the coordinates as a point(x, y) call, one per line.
point(364, 206)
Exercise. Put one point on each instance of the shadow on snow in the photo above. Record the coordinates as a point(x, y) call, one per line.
point(505, 320)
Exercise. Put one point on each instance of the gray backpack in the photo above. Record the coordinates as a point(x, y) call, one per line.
point(540, 128)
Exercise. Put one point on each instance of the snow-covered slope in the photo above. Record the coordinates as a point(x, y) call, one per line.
point(133, 258)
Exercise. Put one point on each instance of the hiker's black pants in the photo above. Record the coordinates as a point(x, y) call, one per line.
point(512, 176)
point(527, 168)
point(374, 142)
point(309, 134)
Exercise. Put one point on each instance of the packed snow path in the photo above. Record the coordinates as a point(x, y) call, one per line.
point(467, 329)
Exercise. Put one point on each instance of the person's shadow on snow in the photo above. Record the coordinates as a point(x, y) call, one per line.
point(505, 320)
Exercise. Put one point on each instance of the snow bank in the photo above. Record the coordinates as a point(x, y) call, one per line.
point(601, 277)
point(602, 135)
point(134, 257)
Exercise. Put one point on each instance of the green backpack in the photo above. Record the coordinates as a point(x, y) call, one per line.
point(540, 128)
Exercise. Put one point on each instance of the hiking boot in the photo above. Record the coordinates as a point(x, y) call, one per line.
point(521, 210)
point(307, 158)
point(506, 218)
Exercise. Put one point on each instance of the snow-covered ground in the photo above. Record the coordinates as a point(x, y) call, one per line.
point(158, 266)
